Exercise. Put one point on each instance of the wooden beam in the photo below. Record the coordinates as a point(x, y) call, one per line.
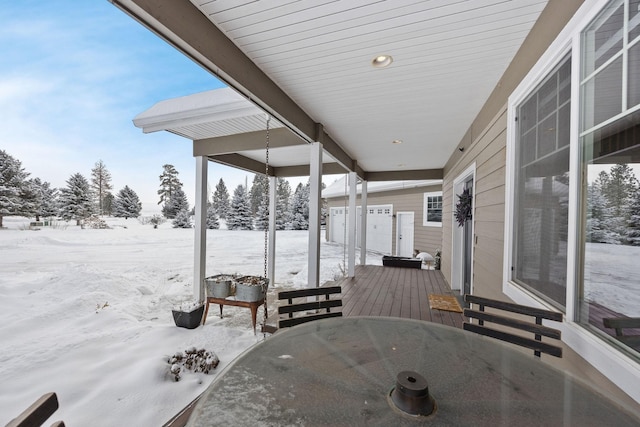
point(303, 170)
point(181, 24)
point(278, 138)
point(241, 162)
point(408, 175)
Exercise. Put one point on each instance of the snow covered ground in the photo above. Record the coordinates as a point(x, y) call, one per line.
point(611, 277)
point(87, 314)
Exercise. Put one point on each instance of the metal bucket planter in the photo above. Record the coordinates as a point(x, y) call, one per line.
point(251, 288)
point(188, 319)
point(219, 286)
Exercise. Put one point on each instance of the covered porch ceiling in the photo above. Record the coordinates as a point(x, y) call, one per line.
point(308, 64)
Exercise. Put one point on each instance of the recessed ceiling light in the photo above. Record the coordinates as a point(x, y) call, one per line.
point(401, 165)
point(396, 141)
point(382, 61)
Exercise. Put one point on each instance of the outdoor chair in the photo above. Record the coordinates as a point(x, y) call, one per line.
point(620, 323)
point(309, 310)
point(516, 323)
point(39, 411)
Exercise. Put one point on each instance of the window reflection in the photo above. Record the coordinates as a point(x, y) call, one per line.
point(610, 286)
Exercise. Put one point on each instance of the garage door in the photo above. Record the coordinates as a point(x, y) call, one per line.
point(379, 227)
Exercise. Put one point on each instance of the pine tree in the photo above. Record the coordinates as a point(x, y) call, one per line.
point(107, 206)
point(262, 215)
point(221, 199)
point(597, 215)
point(633, 225)
point(169, 183)
point(299, 219)
point(182, 219)
point(100, 184)
point(46, 203)
point(13, 188)
point(617, 186)
point(75, 200)
point(212, 218)
point(178, 202)
point(283, 195)
point(239, 216)
point(258, 188)
point(127, 204)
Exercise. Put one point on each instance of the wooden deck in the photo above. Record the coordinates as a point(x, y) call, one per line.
point(396, 292)
point(380, 291)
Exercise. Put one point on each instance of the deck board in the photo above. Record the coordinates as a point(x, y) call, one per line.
point(396, 292)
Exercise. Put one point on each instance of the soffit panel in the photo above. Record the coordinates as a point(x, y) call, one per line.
point(448, 57)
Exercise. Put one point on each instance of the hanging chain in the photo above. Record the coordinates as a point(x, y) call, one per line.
point(265, 200)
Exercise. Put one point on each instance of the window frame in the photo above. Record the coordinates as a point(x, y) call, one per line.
point(621, 368)
point(425, 209)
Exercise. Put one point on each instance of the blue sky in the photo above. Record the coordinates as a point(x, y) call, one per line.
point(73, 75)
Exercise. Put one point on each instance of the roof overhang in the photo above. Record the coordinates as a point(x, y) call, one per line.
point(308, 65)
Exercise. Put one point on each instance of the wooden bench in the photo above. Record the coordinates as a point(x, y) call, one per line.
point(524, 325)
point(620, 323)
point(39, 411)
point(320, 304)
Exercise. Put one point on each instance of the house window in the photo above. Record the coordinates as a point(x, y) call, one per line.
point(541, 196)
point(432, 216)
point(610, 157)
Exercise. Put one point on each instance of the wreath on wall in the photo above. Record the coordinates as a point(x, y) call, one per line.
point(463, 207)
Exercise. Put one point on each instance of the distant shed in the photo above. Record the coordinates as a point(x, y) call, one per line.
point(413, 207)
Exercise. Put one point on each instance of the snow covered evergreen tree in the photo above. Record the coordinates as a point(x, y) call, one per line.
point(262, 215)
point(597, 216)
point(75, 200)
point(617, 186)
point(127, 204)
point(283, 196)
point(299, 219)
point(108, 204)
point(14, 188)
point(182, 219)
point(100, 185)
point(239, 216)
point(221, 199)
point(258, 187)
point(46, 202)
point(212, 218)
point(178, 202)
point(169, 183)
point(633, 225)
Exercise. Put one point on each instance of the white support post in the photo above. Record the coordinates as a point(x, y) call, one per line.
point(315, 202)
point(271, 258)
point(363, 224)
point(200, 249)
point(351, 248)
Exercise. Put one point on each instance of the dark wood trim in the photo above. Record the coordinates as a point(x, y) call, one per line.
point(514, 308)
point(537, 346)
point(513, 323)
point(286, 323)
point(408, 175)
point(310, 292)
point(38, 412)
